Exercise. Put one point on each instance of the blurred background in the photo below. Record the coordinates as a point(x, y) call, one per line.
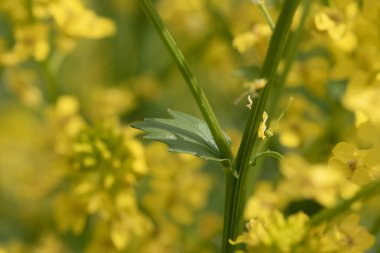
point(74, 177)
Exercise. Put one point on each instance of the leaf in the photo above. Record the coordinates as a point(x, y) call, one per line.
point(183, 134)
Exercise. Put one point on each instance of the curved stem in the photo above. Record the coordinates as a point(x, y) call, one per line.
point(269, 153)
point(196, 90)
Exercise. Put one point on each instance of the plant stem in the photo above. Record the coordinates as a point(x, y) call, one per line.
point(196, 90)
point(269, 153)
point(290, 55)
point(236, 188)
point(361, 4)
point(374, 229)
point(266, 13)
point(327, 214)
point(50, 81)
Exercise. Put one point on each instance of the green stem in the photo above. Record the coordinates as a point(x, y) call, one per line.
point(360, 4)
point(292, 45)
point(279, 85)
point(266, 13)
point(50, 81)
point(375, 226)
point(196, 90)
point(327, 2)
point(268, 153)
point(327, 214)
point(236, 188)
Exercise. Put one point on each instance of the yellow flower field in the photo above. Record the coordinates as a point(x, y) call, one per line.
point(199, 126)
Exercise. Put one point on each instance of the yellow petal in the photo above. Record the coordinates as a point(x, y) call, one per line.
point(323, 22)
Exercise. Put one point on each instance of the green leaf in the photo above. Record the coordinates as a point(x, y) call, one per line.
point(183, 134)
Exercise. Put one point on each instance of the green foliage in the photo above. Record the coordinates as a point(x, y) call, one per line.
point(183, 134)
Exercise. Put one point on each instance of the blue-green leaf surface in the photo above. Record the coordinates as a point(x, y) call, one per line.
point(183, 134)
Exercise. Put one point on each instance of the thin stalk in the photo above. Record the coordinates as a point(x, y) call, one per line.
point(375, 226)
point(236, 188)
point(50, 82)
point(279, 86)
point(328, 214)
point(292, 45)
point(327, 2)
point(268, 153)
point(361, 4)
point(196, 90)
point(266, 13)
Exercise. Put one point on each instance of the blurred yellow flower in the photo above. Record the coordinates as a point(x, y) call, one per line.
point(74, 19)
point(274, 233)
point(107, 102)
point(70, 213)
point(23, 83)
point(312, 72)
point(244, 41)
point(346, 236)
point(341, 235)
point(31, 42)
point(364, 102)
point(185, 18)
point(310, 181)
point(351, 236)
point(264, 201)
point(302, 123)
point(66, 122)
point(177, 186)
point(338, 26)
point(360, 166)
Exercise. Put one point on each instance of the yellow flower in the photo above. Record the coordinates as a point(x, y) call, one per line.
point(339, 30)
point(70, 213)
point(244, 41)
point(309, 181)
point(73, 19)
point(105, 102)
point(301, 124)
point(344, 236)
point(312, 72)
point(103, 164)
point(177, 186)
point(66, 121)
point(362, 98)
point(274, 232)
point(25, 157)
point(360, 166)
point(353, 237)
point(31, 42)
point(91, 192)
point(263, 202)
point(185, 18)
point(24, 84)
